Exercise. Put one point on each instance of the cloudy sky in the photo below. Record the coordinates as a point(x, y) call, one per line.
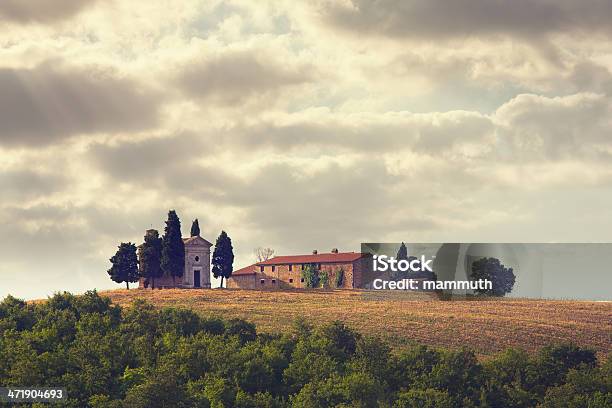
point(297, 125)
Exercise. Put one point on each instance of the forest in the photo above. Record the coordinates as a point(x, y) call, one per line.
point(108, 356)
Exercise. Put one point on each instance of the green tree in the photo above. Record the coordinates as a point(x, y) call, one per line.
point(125, 264)
point(310, 274)
point(491, 269)
point(173, 248)
point(151, 254)
point(223, 257)
point(324, 277)
point(339, 277)
point(195, 228)
point(402, 253)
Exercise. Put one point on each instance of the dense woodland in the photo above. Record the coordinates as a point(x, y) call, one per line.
point(145, 357)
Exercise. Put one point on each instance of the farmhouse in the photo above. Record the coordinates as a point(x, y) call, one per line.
point(281, 272)
point(197, 266)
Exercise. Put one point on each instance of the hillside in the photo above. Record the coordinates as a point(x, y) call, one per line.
point(401, 318)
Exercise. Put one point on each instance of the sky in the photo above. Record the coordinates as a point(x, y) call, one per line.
point(297, 126)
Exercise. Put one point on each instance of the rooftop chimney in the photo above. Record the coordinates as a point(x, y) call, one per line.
point(314, 252)
point(334, 250)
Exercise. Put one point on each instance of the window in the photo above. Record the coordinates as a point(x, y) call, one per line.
point(273, 268)
point(319, 266)
point(197, 259)
point(290, 268)
point(261, 268)
point(273, 281)
point(262, 281)
point(302, 266)
point(290, 280)
point(302, 280)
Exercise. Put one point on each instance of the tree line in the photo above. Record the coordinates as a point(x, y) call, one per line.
point(142, 357)
point(165, 256)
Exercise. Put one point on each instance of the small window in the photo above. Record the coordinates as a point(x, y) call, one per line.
point(290, 268)
point(274, 281)
point(290, 280)
point(261, 268)
point(302, 280)
point(197, 259)
point(262, 281)
point(302, 266)
point(273, 268)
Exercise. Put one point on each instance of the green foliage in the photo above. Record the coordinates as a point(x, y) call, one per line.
point(223, 257)
point(195, 228)
point(173, 247)
point(339, 278)
point(310, 274)
point(108, 357)
point(324, 279)
point(491, 269)
point(124, 264)
point(150, 264)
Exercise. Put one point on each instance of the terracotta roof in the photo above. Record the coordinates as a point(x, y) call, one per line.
point(247, 270)
point(314, 258)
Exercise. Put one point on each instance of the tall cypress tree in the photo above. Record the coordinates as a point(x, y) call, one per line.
point(402, 253)
point(150, 262)
point(173, 248)
point(195, 228)
point(223, 257)
point(125, 264)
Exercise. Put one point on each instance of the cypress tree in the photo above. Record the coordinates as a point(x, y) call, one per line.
point(150, 262)
point(125, 264)
point(173, 248)
point(223, 257)
point(402, 253)
point(195, 228)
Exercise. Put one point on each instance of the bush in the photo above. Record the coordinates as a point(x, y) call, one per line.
point(108, 357)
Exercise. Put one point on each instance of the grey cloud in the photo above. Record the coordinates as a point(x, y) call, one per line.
point(571, 127)
point(46, 104)
point(425, 133)
point(26, 184)
point(26, 11)
point(235, 77)
point(465, 18)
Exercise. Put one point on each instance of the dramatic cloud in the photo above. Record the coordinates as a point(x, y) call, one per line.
point(26, 11)
point(238, 76)
point(297, 126)
point(469, 18)
point(45, 104)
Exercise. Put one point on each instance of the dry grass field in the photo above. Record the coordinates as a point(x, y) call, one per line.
point(486, 326)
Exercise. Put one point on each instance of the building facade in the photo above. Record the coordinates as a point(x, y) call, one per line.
point(197, 267)
point(285, 272)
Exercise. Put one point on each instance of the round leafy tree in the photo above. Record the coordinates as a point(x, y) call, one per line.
point(492, 269)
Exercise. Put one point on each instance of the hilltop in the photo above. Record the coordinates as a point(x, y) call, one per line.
point(401, 318)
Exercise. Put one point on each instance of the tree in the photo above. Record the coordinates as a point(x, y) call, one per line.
point(125, 264)
point(223, 257)
point(310, 274)
point(402, 253)
point(173, 248)
point(151, 254)
point(195, 228)
point(339, 277)
point(491, 269)
point(263, 254)
point(324, 278)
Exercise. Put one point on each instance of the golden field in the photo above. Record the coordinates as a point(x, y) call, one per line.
point(400, 318)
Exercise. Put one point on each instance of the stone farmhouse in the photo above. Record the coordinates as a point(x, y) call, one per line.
point(285, 272)
point(197, 266)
